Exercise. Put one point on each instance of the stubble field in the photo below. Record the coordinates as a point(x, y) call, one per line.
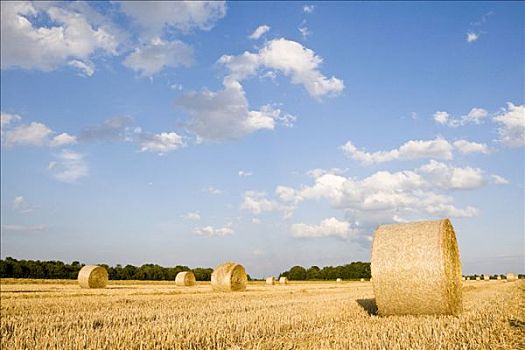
point(159, 315)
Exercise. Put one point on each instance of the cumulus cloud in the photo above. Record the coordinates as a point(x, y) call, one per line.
point(291, 59)
point(466, 147)
point(7, 118)
point(308, 8)
point(156, 17)
point(471, 37)
point(256, 202)
point(475, 116)
point(326, 228)
point(499, 180)
point(161, 143)
point(194, 216)
point(62, 140)
point(68, 167)
point(70, 40)
point(149, 59)
point(32, 134)
point(111, 130)
point(210, 231)
point(243, 173)
point(511, 122)
point(225, 114)
point(260, 31)
point(440, 174)
point(415, 149)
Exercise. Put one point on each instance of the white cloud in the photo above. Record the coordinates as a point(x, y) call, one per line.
point(194, 216)
point(156, 17)
point(70, 37)
point(414, 149)
point(291, 59)
point(466, 147)
point(62, 140)
point(23, 228)
point(243, 173)
point(475, 116)
point(224, 115)
point(111, 130)
point(211, 231)
point(21, 205)
point(512, 125)
point(34, 134)
point(308, 8)
point(327, 227)
point(260, 31)
point(471, 37)
point(161, 143)
point(87, 68)
point(305, 32)
point(499, 180)
point(6, 119)
point(256, 202)
point(256, 221)
point(443, 175)
point(68, 167)
point(151, 58)
point(318, 171)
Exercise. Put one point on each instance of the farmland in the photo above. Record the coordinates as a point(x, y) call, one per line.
point(302, 315)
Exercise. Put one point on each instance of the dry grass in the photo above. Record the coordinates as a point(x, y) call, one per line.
point(312, 316)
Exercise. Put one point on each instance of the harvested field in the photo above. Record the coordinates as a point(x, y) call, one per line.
point(158, 315)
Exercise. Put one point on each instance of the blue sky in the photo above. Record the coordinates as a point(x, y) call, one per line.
point(178, 133)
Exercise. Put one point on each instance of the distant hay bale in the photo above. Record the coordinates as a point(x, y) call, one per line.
point(185, 279)
point(229, 277)
point(498, 277)
point(93, 276)
point(486, 277)
point(462, 278)
point(468, 278)
point(416, 269)
point(362, 279)
point(270, 281)
point(511, 276)
point(339, 280)
point(283, 280)
point(478, 278)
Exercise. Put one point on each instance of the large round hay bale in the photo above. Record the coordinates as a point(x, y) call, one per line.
point(93, 276)
point(185, 279)
point(270, 281)
point(416, 269)
point(229, 277)
point(283, 280)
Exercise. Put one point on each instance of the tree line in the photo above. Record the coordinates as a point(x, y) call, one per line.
point(12, 268)
point(354, 270)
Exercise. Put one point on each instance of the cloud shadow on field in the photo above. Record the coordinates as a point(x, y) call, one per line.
point(369, 305)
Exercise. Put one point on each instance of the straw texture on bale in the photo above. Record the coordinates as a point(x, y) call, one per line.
point(416, 269)
point(185, 279)
point(270, 281)
point(93, 276)
point(478, 278)
point(511, 276)
point(283, 280)
point(229, 277)
point(486, 277)
point(339, 280)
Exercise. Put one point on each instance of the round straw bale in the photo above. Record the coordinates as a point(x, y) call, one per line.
point(185, 279)
point(478, 278)
point(283, 280)
point(511, 276)
point(498, 277)
point(486, 277)
point(416, 269)
point(270, 281)
point(339, 280)
point(362, 280)
point(93, 276)
point(229, 276)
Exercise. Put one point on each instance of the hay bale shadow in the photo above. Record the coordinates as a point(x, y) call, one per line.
point(369, 305)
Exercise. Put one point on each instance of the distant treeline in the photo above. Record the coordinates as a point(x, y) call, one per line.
point(355, 270)
point(12, 268)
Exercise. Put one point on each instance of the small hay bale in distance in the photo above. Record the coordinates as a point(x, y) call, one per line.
point(416, 269)
point(486, 277)
point(339, 280)
point(478, 278)
point(229, 277)
point(498, 277)
point(511, 276)
point(362, 280)
point(185, 279)
point(93, 276)
point(270, 281)
point(283, 280)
